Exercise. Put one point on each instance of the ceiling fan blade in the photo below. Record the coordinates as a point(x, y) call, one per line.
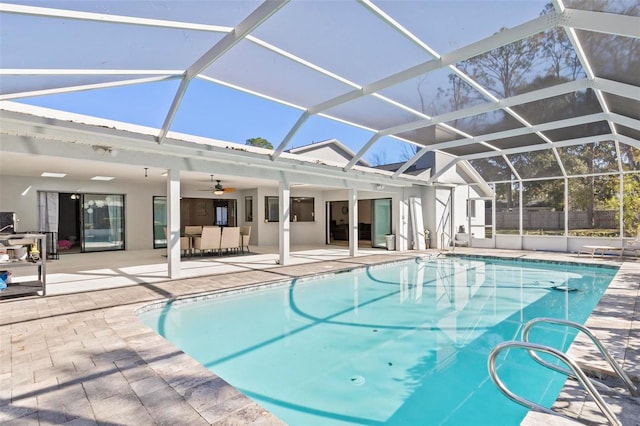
point(229, 190)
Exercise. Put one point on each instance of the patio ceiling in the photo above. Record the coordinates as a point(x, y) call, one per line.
point(564, 76)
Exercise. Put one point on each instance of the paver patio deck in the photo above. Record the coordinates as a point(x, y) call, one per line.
point(83, 358)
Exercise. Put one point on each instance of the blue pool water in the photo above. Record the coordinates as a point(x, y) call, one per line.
point(400, 344)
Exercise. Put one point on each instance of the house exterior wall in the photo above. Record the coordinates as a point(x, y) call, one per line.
point(20, 194)
point(242, 214)
point(326, 152)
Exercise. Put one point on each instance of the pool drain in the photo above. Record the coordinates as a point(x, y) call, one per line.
point(357, 380)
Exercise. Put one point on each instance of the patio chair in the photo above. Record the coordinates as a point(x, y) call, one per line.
point(230, 240)
point(209, 240)
point(185, 246)
point(193, 229)
point(633, 244)
point(245, 233)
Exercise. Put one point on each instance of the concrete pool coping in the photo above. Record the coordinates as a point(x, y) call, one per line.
point(85, 358)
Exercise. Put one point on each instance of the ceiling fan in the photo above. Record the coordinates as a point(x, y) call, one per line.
point(218, 189)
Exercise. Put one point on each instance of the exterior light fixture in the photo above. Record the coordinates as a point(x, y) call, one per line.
point(218, 190)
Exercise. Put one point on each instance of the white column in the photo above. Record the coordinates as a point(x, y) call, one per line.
point(521, 213)
point(173, 223)
point(353, 222)
point(494, 231)
point(402, 229)
point(566, 209)
point(284, 198)
point(621, 214)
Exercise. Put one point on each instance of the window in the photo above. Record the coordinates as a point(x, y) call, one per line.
point(302, 209)
point(471, 208)
point(271, 209)
point(248, 209)
point(221, 216)
point(159, 221)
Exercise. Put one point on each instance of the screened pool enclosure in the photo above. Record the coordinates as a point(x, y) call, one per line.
point(541, 98)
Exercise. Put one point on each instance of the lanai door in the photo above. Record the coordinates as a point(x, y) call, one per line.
point(381, 217)
point(102, 222)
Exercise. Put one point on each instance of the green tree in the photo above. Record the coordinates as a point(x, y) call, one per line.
point(259, 142)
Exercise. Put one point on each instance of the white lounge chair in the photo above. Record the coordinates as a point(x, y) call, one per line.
point(602, 249)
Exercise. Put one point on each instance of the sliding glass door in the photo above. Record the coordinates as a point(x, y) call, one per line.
point(381, 217)
point(102, 222)
point(159, 222)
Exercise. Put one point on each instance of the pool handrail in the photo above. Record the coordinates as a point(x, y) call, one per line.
point(577, 372)
point(603, 351)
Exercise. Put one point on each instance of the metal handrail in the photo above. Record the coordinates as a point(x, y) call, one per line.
point(577, 372)
point(603, 351)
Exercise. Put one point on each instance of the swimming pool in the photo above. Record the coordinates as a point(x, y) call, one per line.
point(403, 343)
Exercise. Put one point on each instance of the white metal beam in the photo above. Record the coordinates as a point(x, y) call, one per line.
point(87, 71)
point(362, 151)
point(504, 37)
point(301, 120)
point(617, 88)
point(411, 161)
point(251, 22)
point(399, 28)
point(71, 89)
point(586, 64)
point(629, 141)
point(575, 121)
point(608, 23)
point(443, 170)
point(107, 18)
point(625, 121)
point(541, 147)
point(532, 96)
